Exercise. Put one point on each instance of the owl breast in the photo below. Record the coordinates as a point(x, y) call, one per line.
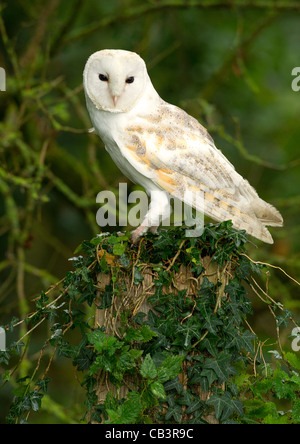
point(109, 127)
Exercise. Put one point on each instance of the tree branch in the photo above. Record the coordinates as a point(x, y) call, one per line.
point(141, 10)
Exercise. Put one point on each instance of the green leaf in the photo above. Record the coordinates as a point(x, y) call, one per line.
point(4, 358)
point(143, 334)
point(113, 240)
point(128, 412)
point(147, 333)
point(221, 366)
point(211, 323)
point(138, 277)
point(210, 343)
point(114, 416)
point(158, 389)
point(125, 361)
point(296, 412)
point(210, 374)
point(259, 409)
point(293, 359)
point(119, 249)
point(43, 384)
point(194, 406)
point(85, 274)
point(148, 369)
point(35, 400)
point(241, 341)
point(224, 406)
point(276, 419)
point(170, 368)
point(174, 411)
point(187, 332)
point(102, 342)
point(284, 319)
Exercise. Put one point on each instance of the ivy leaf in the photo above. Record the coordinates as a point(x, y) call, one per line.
point(284, 319)
point(187, 332)
point(211, 323)
point(35, 400)
point(43, 384)
point(195, 405)
point(210, 375)
point(195, 373)
point(242, 341)
point(174, 411)
point(138, 277)
point(224, 406)
point(210, 344)
point(84, 360)
point(4, 358)
point(221, 366)
point(21, 405)
point(207, 288)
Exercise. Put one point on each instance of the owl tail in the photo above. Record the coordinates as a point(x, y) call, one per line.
point(252, 217)
point(245, 209)
point(267, 214)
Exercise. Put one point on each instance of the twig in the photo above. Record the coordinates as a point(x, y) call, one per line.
point(272, 266)
point(176, 255)
point(138, 12)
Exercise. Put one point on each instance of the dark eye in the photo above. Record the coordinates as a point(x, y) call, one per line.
point(130, 80)
point(103, 78)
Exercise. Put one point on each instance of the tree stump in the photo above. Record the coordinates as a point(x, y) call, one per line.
point(133, 297)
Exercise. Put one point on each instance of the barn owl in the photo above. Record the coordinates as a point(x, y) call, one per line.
point(160, 147)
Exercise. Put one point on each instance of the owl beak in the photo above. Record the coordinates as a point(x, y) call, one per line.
point(115, 99)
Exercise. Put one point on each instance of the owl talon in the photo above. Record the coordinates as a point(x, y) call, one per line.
point(136, 234)
point(154, 229)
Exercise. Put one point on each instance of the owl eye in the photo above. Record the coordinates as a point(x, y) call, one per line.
point(130, 80)
point(103, 78)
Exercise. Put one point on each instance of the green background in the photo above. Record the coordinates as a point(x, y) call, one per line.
point(228, 64)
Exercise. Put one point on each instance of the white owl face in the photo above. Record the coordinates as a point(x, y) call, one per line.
point(114, 80)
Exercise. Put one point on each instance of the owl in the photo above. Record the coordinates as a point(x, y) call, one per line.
point(169, 153)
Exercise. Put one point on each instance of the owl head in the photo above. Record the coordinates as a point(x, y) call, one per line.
point(114, 80)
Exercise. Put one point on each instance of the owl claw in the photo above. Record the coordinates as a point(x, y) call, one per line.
point(136, 234)
point(154, 229)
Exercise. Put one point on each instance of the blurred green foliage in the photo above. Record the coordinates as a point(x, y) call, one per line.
point(228, 63)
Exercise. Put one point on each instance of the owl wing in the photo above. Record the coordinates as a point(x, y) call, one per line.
point(173, 150)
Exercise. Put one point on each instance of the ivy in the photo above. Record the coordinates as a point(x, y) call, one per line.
point(186, 345)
